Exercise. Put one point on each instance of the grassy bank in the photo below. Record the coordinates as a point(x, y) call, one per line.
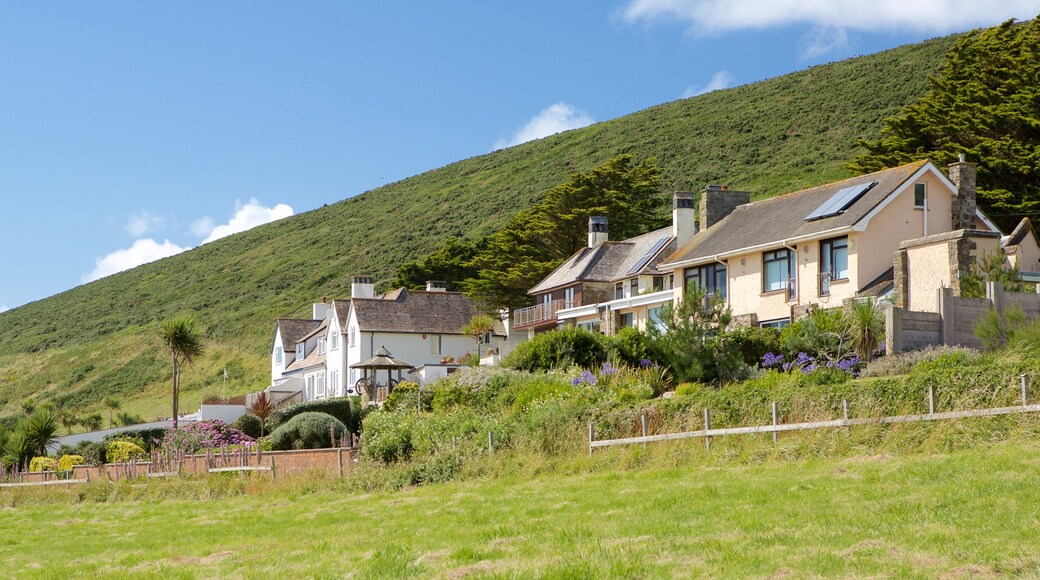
point(746, 509)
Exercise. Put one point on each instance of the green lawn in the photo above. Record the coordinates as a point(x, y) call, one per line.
point(964, 513)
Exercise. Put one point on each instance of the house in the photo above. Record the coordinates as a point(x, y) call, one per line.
point(608, 285)
point(316, 358)
point(1022, 248)
point(769, 260)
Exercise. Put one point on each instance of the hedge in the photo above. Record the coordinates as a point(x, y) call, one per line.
point(347, 410)
point(308, 430)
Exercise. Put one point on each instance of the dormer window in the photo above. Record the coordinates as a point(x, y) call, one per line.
point(300, 348)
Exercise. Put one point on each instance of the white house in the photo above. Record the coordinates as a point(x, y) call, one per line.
point(312, 359)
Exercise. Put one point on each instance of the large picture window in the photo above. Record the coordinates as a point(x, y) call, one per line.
point(776, 268)
point(710, 277)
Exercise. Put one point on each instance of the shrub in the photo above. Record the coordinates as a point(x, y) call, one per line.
point(404, 398)
point(146, 438)
point(121, 451)
point(900, 364)
point(479, 387)
point(67, 462)
point(559, 349)
point(308, 430)
point(196, 437)
point(248, 424)
point(631, 347)
point(387, 437)
point(752, 343)
point(91, 452)
point(347, 410)
point(43, 464)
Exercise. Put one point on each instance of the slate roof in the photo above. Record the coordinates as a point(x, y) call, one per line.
point(293, 329)
point(879, 286)
point(312, 359)
point(1018, 235)
point(780, 218)
point(416, 311)
point(609, 261)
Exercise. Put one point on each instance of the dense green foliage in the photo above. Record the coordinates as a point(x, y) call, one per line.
point(985, 102)
point(558, 349)
point(248, 424)
point(347, 410)
point(97, 340)
point(309, 430)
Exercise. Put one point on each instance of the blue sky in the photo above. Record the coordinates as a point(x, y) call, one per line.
point(134, 130)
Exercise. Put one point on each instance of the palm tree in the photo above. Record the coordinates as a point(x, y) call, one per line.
point(69, 419)
point(113, 405)
point(40, 429)
point(180, 336)
point(92, 422)
point(262, 407)
point(867, 326)
point(478, 327)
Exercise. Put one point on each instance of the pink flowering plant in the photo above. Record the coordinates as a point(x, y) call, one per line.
point(196, 437)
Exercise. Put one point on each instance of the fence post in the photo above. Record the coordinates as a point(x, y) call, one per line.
point(707, 427)
point(646, 427)
point(775, 416)
point(339, 460)
point(274, 474)
point(453, 443)
point(491, 442)
point(931, 400)
point(1025, 389)
point(592, 435)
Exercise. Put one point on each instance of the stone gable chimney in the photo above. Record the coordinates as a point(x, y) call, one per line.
point(363, 287)
point(717, 202)
point(597, 230)
point(962, 174)
point(684, 222)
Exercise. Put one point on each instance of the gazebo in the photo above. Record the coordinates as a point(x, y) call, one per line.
point(369, 384)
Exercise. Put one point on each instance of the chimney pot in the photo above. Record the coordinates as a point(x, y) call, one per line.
point(598, 230)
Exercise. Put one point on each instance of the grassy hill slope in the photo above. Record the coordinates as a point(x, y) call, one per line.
point(769, 137)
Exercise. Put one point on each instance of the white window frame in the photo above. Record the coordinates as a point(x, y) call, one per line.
point(278, 356)
point(335, 341)
point(923, 187)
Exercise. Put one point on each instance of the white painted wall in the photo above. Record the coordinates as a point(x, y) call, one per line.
point(277, 368)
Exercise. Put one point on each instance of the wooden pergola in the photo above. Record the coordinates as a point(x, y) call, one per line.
point(369, 385)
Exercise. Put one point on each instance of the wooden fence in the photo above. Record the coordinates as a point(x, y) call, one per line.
point(707, 433)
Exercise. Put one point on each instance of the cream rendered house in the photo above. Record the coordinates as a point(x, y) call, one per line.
point(772, 259)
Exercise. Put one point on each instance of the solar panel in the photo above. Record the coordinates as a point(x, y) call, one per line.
point(648, 256)
point(840, 201)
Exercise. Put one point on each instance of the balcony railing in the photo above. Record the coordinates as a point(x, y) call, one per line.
point(541, 312)
point(825, 284)
point(792, 289)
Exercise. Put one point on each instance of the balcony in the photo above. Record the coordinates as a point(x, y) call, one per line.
point(541, 313)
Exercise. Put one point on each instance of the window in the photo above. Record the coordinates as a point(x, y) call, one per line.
point(919, 195)
point(299, 351)
point(628, 320)
point(335, 340)
point(775, 323)
point(710, 277)
point(319, 391)
point(590, 325)
point(658, 283)
point(634, 287)
point(353, 377)
point(277, 355)
point(546, 299)
point(776, 268)
point(334, 389)
point(653, 316)
point(310, 387)
point(322, 342)
point(568, 296)
point(435, 344)
point(834, 258)
point(352, 333)
point(619, 291)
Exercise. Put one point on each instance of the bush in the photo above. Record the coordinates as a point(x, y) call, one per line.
point(479, 387)
point(559, 349)
point(248, 424)
point(308, 430)
point(91, 452)
point(197, 437)
point(347, 410)
point(146, 438)
point(631, 347)
point(901, 364)
point(752, 343)
point(43, 464)
point(404, 398)
point(67, 462)
point(387, 437)
point(122, 451)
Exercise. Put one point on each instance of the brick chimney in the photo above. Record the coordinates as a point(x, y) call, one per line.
point(717, 202)
point(362, 287)
point(597, 230)
point(962, 174)
point(684, 222)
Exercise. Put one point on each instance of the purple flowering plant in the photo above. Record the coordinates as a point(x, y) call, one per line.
point(196, 437)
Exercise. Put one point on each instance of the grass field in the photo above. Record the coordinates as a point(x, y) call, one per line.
point(963, 513)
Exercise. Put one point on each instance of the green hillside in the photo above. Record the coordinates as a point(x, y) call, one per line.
point(769, 137)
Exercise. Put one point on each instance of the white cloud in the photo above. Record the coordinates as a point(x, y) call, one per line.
point(820, 41)
point(246, 217)
point(202, 226)
point(4, 308)
point(141, 222)
point(553, 119)
point(720, 80)
point(141, 252)
point(710, 17)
